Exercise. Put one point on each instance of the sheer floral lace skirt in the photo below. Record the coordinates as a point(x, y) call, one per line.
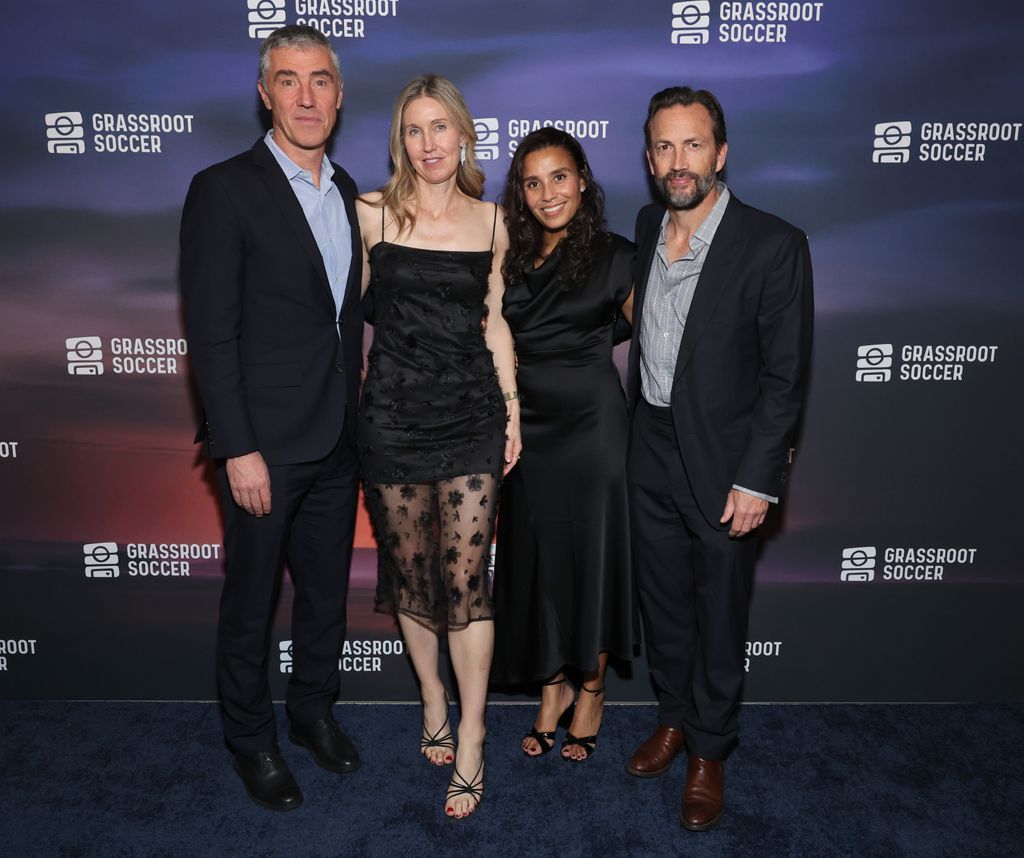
point(434, 548)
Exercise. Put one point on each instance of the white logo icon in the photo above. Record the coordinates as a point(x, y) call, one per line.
point(285, 648)
point(85, 355)
point(858, 564)
point(486, 138)
point(65, 134)
point(892, 143)
point(101, 560)
point(265, 16)
point(874, 362)
point(690, 22)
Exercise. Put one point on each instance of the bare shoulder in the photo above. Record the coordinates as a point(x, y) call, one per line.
point(483, 212)
point(369, 202)
point(368, 208)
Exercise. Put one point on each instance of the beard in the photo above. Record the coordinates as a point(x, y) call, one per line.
point(686, 200)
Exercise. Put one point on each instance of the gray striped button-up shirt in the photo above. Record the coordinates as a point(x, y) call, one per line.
point(667, 300)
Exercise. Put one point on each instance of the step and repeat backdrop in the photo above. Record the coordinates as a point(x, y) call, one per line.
point(891, 132)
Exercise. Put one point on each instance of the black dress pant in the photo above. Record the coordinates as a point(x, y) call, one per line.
point(694, 585)
point(311, 526)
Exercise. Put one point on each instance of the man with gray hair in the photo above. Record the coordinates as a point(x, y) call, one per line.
point(271, 269)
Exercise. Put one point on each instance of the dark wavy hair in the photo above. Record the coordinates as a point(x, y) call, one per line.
point(525, 234)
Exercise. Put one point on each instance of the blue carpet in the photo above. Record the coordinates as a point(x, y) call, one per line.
point(153, 779)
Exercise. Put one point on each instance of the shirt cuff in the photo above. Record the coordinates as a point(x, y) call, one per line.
point(768, 498)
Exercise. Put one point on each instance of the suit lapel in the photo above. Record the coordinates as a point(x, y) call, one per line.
point(645, 252)
point(354, 283)
point(725, 251)
point(277, 183)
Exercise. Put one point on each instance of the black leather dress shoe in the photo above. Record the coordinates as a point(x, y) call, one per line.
point(268, 780)
point(331, 748)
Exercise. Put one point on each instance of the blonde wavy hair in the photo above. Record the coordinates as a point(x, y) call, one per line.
point(401, 187)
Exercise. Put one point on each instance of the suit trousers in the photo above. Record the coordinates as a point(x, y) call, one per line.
point(694, 584)
point(311, 526)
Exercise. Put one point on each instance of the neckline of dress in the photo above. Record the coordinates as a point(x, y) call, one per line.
point(426, 249)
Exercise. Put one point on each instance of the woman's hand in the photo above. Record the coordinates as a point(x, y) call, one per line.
point(513, 440)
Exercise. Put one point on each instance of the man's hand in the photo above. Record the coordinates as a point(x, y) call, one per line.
point(250, 483)
point(746, 512)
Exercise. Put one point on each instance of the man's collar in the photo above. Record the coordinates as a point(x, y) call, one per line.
point(291, 169)
point(705, 233)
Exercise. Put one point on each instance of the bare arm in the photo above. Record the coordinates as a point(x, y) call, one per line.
point(369, 228)
point(499, 340)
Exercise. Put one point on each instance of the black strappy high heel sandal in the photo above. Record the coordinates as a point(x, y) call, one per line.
point(442, 738)
point(587, 743)
point(546, 739)
point(460, 786)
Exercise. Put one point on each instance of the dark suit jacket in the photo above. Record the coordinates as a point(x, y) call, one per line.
point(260, 317)
point(743, 360)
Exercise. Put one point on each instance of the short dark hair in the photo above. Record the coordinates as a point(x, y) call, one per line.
point(296, 36)
point(684, 96)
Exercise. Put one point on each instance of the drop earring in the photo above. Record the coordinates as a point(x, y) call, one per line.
point(462, 154)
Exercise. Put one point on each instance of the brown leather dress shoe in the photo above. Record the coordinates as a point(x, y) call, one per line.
point(704, 796)
point(654, 757)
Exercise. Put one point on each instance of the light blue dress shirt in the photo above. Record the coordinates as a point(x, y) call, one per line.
point(325, 213)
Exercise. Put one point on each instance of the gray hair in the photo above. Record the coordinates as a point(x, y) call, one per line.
point(296, 36)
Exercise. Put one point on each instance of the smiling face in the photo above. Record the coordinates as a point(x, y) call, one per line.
point(303, 94)
point(553, 190)
point(431, 140)
point(682, 155)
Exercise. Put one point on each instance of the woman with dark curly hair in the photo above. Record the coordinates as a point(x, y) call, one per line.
point(563, 593)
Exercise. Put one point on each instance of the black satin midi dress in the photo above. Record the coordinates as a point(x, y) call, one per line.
point(562, 586)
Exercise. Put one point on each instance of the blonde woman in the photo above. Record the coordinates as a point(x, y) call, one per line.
point(439, 418)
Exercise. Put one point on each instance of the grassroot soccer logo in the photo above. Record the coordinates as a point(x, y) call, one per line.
point(487, 140)
point(9, 449)
point(858, 563)
point(877, 362)
point(892, 143)
point(901, 564)
point(101, 560)
point(357, 656)
point(147, 559)
point(337, 19)
point(488, 132)
point(940, 141)
point(14, 648)
point(691, 22)
point(265, 16)
point(65, 133)
point(85, 355)
point(874, 362)
point(698, 22)
point(128, 355)
point(761, 649)
point(113, 133)
point(284, 654)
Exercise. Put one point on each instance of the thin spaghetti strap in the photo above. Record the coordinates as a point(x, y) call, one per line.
point(382, 207)
point(494, 226)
